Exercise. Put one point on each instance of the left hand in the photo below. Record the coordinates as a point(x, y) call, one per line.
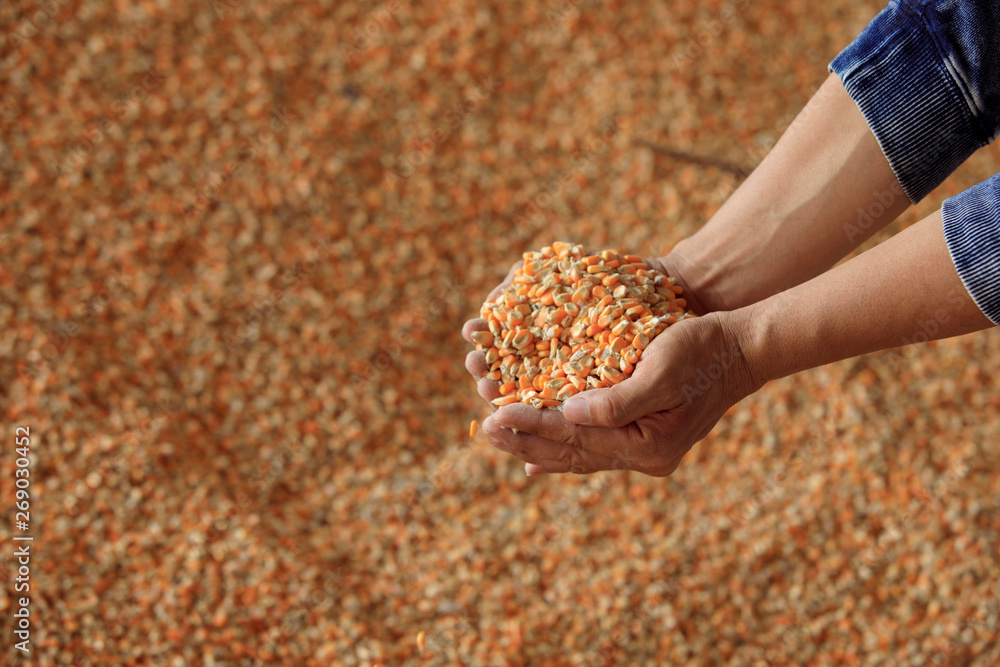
point(685, 381)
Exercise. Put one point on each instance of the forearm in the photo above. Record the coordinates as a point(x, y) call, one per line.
point(905, 290)
point(824, 188)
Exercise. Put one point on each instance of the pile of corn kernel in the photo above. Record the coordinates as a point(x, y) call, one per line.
point(570, 321)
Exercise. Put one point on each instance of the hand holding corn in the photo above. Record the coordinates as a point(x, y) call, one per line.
point(646, 422)
point(570, 321)
point(568, 324)
point(769, 303)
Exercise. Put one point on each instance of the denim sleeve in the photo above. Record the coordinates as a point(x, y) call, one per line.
point(926, 76)
point(972, 230)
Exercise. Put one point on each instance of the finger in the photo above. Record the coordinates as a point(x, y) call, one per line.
point(489, 389)
point(476, 364)
point(549, 455)
point(615, 406)
point(611, 443)
point(506, 281)
point(646, 391)
point(472, 326)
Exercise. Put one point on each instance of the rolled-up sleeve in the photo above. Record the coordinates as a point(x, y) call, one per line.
point(972, 230)
point(926, 76)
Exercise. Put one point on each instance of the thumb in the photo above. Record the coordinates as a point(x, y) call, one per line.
point(612, 407)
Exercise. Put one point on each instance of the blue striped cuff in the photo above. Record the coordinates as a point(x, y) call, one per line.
point(972, 230)
point(915, 108)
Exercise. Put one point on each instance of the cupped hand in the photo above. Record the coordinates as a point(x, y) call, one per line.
point(671, 265)
point(685, 381)
point(475, 362)
point(701, 301)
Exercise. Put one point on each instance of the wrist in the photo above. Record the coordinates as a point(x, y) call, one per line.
point(702, 298)
point(744, 333)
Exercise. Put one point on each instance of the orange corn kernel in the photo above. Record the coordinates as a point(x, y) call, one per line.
point(566, 392)
point(619, 327)
point(484, 338)
point(522, 339)
point(569, 322)
point(618, 344)
point(504, 400)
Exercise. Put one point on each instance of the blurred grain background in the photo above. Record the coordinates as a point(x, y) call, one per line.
point(239, 240)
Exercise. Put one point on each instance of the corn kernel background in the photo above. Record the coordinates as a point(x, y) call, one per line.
point(239, 240)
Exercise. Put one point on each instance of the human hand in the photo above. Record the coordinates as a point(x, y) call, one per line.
point(700, 300)
point(685, 381)
point(671, 265)
point(475, 361)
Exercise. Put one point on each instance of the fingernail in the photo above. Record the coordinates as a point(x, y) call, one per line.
point(577, 410)
point(530, 469)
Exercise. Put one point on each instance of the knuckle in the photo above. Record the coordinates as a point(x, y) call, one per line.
point(650, 449)
point(615, 412)
point(642, 453)
point(569, 436)
point(573, 461)
point(566, 457)
point(505, 445)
